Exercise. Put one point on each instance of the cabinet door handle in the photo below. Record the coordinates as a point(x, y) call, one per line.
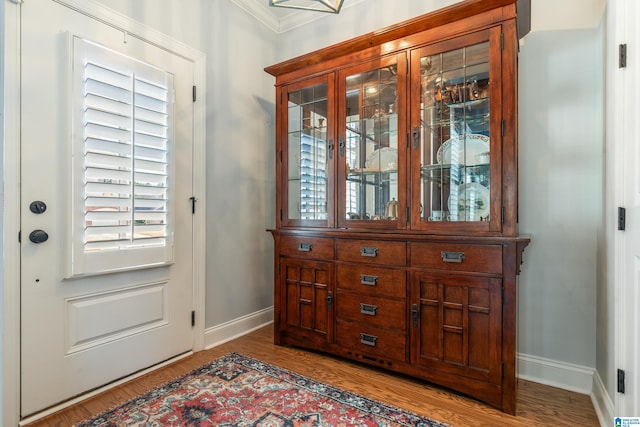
point(368, 309)
point(330, 301)
point(368, 280)
point(367, 339)
point(452, 256)
point(416, 137)
point(341, 146)
point(370, 252)
point(305, 247)
point(414, 315)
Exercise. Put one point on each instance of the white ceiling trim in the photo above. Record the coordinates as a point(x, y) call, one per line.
point(281, 23)
point(253, 8)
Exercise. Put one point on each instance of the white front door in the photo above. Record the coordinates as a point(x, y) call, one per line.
point(106, 221)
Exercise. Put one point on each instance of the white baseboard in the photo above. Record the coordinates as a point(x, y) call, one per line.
point(556, 374)
point(602, 402)
point(576, 378)
point(227, 331)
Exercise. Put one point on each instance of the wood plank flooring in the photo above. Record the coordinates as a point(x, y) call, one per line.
point(537, 405)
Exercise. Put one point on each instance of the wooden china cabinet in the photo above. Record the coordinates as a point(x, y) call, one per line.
point(396, 239)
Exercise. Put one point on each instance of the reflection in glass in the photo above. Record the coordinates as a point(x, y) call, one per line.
point(455, 148)
point(307, 153)
point(371, 145)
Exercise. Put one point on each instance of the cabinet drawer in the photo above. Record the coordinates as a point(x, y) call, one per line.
point(377, 312)
point(457, 257)
point(371, 280)
point(307, 247)
point(365, 339)
point(372, 251)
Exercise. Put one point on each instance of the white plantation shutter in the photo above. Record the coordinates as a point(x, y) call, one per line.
point(122, 145)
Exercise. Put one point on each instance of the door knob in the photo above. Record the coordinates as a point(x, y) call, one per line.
point(38, 236)
point(38, 207)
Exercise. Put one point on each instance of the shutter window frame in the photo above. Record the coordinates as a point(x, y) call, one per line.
point(122, 162)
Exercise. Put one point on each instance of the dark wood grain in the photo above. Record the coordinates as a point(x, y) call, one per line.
point(454, 15)
point(456, 280)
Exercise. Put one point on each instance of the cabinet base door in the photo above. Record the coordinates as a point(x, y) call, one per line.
point(306, 300)
point(455, 325)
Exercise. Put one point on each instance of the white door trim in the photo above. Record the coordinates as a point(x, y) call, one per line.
point(10, 208)
point(623, 128)
point(10, 202)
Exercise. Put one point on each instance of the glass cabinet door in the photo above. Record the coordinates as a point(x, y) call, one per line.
point(372, 165)
point(308, 161)
point(454, 141)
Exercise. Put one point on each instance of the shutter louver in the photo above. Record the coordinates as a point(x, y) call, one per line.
point(125, 160)
point(150, 162)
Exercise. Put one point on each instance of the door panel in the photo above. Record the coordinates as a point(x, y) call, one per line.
point(308, 300)
point(456, 323)
point(82, 331)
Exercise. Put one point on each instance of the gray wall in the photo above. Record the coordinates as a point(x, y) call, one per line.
point(561, 141)
point(241, 159)
point(240, 145)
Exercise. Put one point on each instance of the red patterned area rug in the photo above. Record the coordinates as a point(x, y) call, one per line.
point(236, 390)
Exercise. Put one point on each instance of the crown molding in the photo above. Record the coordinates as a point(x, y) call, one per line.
point(253, 8)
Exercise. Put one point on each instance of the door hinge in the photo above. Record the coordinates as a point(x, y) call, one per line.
point(501, 41)
point(502, 215)
point(330, 301)
point(622, 218)
point(620, 381)
point(502, 369)
point(19, 236)
point(280, 214)
point(193, 204)
point(502, 291)
point(502, 126)
point(193, 318)
point(194, 93)
point(622, 55)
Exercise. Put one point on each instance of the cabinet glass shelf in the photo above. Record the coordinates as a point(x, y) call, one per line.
point(455, 174)
point(471, 104)
point(372, 177)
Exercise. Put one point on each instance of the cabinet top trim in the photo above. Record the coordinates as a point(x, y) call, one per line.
point(396, 235)
point(443, 16)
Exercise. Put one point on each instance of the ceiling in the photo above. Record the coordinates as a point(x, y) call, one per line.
point(280, 19)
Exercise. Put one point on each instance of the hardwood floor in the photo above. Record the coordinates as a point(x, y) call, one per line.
point(537, 405)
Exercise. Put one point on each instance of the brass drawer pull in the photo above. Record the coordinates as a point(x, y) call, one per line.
point(367, 339)
point(305, 247)
point(370, 252)
point(368, 280)
point(368, 309)
point(452, 256)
